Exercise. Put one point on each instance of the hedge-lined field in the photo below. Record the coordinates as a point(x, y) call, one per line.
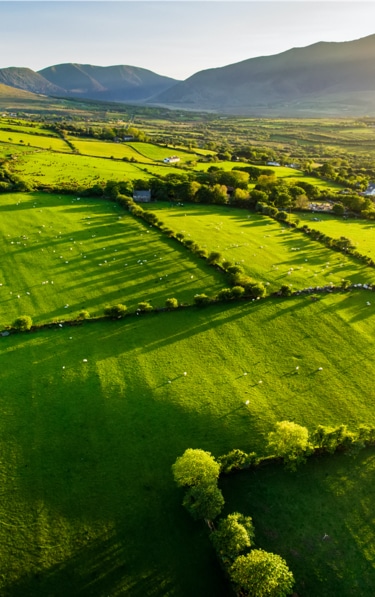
point(267, 250)
point(360, 232)
point(62, 255)
point(90, 429)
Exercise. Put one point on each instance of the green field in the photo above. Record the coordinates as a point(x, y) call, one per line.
point(267, 250)
point(89, 502)
point(51, 142)
point(61, 255)
point(95, 413)
point(108, 149)
point(360, 232)
point(329, 555)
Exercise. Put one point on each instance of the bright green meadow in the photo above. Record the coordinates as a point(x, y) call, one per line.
point(96, 415)
point(62, 254)
point(267, 250)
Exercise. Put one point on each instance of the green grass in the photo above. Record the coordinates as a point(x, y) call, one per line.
point(360, 232)
point(266, 249)
point(43, 142)
point(89, 251)
point(108, 149)
point(89, 505)
point(296, 516)
point(158, 153)
point(54, 168)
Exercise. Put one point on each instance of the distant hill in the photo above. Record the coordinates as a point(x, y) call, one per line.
point(325, 77)
point(107, 83)
point(7, 92)
point(28, 80)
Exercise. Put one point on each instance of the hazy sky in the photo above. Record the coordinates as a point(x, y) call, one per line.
point(174, 38)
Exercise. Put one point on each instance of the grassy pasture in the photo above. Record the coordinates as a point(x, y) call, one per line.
point(107, 149)
point(266, 249)
point(87, 446)
point(43, 142)
point(55, 168)
point(25, 127)
point(90, 253)
point(360, 232)
point(158, 153)
point(329, 554)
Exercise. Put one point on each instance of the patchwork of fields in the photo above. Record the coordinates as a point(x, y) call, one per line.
point(94, 415)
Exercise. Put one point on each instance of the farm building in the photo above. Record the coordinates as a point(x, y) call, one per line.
point(142, 196)
point(173, 159)
point(370, 191)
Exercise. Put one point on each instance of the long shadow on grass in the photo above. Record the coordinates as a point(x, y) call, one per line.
point(319, 519)
point(95, 447)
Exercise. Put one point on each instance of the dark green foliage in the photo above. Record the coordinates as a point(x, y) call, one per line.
point(145, 307)
point(115, 311)
point(233, 536)
point(201, 300)
point(23, 323)
point(236, 460)
point(204, 501)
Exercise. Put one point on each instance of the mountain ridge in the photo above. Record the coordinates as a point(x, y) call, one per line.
point(333, 78)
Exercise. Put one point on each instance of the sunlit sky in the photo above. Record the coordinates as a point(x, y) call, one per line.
point(173, 38)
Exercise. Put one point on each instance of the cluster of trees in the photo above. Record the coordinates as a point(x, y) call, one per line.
point(251, 571)
point(102, 132)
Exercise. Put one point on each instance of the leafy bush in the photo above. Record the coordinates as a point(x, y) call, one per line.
point(145, 307)
point(236, 460)
point(23, 323)
point(171, 303)
point(201, 299)
point(115, 311)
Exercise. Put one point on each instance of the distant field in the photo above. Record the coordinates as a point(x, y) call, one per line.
point(92, 253)
point(87, 447)
point(54, 168)
point(107, 149)
point(51, 142)
point(157, 153)
point(360, 232)
point(266, 249)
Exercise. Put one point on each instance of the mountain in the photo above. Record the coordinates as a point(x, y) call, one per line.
point(326, 77)
point(107, 83)
point(7, 92)
point(28, 80)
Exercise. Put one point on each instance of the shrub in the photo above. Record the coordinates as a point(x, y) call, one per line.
point(201, 299)
point(115, 311)
point(23, 323)
point(236, 460)
point(83, 315)
point(214, 258)
point(171, 303)
point(238, 291)
point(225, 294)
point(145, 307)
point(285, 290)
